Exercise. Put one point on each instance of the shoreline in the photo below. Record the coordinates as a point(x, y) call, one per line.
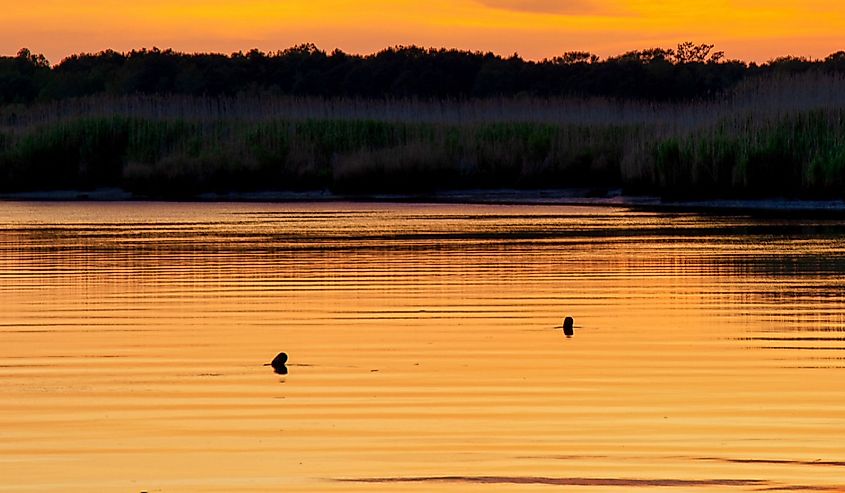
point(560, 197)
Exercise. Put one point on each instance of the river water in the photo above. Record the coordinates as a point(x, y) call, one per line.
point(425, 345)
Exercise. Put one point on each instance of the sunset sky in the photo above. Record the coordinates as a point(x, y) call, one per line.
point(746, 29)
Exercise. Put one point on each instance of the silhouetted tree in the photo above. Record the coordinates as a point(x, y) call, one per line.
point(22, 76)
point(835, 61)
point(689, 52)
point(789, 65)
point(571, 57)
point(689, 71)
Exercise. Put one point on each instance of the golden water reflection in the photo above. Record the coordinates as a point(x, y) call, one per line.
point(425, 349)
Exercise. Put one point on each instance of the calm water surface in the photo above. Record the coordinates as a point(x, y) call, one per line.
point(425, 349)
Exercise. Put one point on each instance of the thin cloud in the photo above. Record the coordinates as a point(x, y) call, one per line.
point(609, 482)
point(559, 7)
point(835, 463)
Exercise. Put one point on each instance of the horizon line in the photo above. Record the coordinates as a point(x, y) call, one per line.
point(365, 54)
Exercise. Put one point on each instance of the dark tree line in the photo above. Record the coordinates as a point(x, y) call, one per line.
point(688, 72)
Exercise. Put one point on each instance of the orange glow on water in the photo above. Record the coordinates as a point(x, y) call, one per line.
point(745, 29)
point(426, 352)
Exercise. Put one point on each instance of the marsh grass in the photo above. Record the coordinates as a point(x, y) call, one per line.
point(776, 137)
point(798, 154)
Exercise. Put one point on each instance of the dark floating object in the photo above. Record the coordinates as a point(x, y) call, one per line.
point(569, 326)
point(278, 364)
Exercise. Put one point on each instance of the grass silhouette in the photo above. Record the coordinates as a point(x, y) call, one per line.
point(776, 137)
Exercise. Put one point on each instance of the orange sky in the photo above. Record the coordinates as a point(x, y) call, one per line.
point(745, 29)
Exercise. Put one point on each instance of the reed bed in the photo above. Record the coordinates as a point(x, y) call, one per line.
point(774, 137)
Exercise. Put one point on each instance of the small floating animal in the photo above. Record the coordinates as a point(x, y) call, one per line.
point(569, 326)
point(279, 363)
